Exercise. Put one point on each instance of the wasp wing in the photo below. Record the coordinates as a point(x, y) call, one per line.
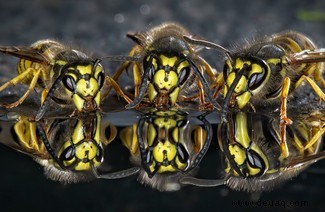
point(27, 53)
point(308, 56)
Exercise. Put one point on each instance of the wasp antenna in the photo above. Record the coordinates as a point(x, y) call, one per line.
point(229, 93)
point(116, 175)
point(121, 58)
point(142, 90)
point(207, 44)
point(201, 182)
point(55, 85)
point(47, 144)
point(205, 85)
point(142, 148)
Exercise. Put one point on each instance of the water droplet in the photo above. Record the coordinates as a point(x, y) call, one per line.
point(145, 9)
point(119, 18)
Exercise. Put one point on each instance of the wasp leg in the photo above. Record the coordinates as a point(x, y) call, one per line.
point(16, 80)
point(204, 66)
point(137, 79)
point(129, 138)
point(318, 75)
point(107, 139)
point(44, 94)
point(284, 120)
point(314, 86)
point(199, 138)
point(118, 89)
point(26, 131)
point(115, 77)
point(125, 65)
point(217, 78)
point(315, 138)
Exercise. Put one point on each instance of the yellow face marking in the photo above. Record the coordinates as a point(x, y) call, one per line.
point(152, 133)
point(164, 151)
point(182, 65)
point(241, 85)
point(170, 61)
point(238, 153)
point(241, 135)
point(82, 166)
point(85, 69)
point(154, 63)
point(256, 69)
point(78, 101)
point(97, 99)
point(175, 134)
point(252, 171)
point(78, 134)
point(168, 168)
point(239, 64)
point(165, 80)
point(86, 150)
point(165, 123)
point(180, 165)
point(152, 93)
point(87, 88)
point(173, 96)
point(243, 99)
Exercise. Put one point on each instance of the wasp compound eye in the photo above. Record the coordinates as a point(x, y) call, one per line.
point(99, 155)
point(69, 83)
point(100, 79)
point(182, 153)
point(255, 160)
point(257, 79)
point(68, 154)
point(183, 75)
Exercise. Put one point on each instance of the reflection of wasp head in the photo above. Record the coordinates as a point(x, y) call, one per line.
point(167, 146)
point(251, 145)
point(70, 150)
point(65, 75)
point(168, 67)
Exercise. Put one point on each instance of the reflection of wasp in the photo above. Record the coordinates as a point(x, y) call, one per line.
point(167, 69)
point(71, 150)
point(47, 64)
point(167, 146)
point(270, 69)
point(251, 146)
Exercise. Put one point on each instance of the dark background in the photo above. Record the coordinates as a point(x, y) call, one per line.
point(99, 27)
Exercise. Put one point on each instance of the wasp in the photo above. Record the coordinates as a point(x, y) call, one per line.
point(251, 142)
point(71, 150)
point(270, 69)
point(167, 70)
point(64, 75)
point(167, 146)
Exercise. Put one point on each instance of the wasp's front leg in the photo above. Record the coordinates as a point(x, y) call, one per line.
point(18, 79)
point(284, 120)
